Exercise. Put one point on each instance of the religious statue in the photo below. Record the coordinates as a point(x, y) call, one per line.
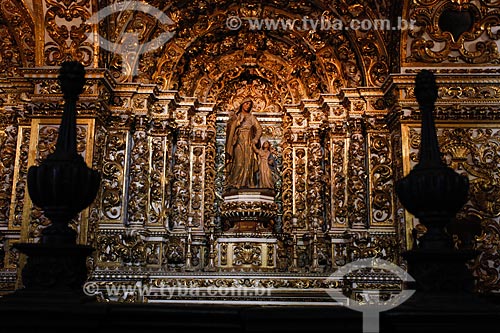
point(267, 165)
point(242, 138)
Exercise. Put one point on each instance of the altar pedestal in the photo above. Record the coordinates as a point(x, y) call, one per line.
point(246, 254)
point(249, 210)
point(248, 243)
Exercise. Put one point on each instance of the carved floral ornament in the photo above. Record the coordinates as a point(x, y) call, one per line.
point(464, 31)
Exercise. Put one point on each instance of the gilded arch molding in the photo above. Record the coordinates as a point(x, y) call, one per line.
point(17, 43)
point(343, 58)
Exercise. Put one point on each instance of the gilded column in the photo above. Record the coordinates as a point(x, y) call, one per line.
point(138, 179)
point(357, 172)
point(181, 170)
point(336, 159)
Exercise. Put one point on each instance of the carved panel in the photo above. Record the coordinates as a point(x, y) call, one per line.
point(180, 187)
point(67, 41)
point(338, 181)
point(197, 185)
point(315, 180)
point(157, 208)
point(113, 173)
point(10, 58)
point(8, 142)
point(300, 186)
point(43, 137)
point(249, 254)
point(381, 180)
point(19, 190)
point(138, 179)
point(472, 149)
point(451, 32)
point(357, 177)
point(127, 248)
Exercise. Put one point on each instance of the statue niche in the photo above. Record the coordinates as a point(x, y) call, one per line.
point(250, 173)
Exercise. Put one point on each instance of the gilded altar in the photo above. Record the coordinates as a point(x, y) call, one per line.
point(337, 107)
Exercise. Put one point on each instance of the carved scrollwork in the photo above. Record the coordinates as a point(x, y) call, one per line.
point(197, 184)
point(8, 140)
point(180, 187)
point(250, 212)
point(18, 42)
point(175, 254)
point(338, 182)
point(315, 190)
point(160, 152)
point(357, 181)
point(469, 92)
point(19, 190)
point(128, 248)
point(365, 245)
point(474, 151)
point(139, 180)
point(10, 58)
point(437, 38)
point(489, 244)
point(287, 174)
point(381, 179)
point(197, 58)
point(113, 175)
point(211, 161)
point(67, 43)
point(300, 186)
point(247, 254)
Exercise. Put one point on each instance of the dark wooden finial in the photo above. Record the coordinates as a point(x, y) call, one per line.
point(426, 92)
point(72, 80)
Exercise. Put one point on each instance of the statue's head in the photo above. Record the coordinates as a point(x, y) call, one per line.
point(246, 104)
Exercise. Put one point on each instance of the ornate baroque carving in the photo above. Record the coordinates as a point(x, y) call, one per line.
point(8, 140)
point(357, 173)
point(381, 179)
point(67, 43)
point(18, 37)
point(436, 38)
point(180, 187)
point(21, 167)
point(138, 175)
point(113, 173)
point(473, 149)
